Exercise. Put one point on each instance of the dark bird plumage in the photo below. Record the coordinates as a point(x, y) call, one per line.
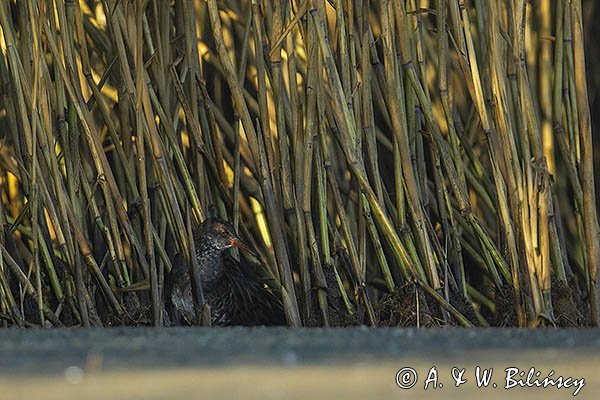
point(237, 291)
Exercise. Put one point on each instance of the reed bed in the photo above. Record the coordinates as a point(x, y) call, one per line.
point(395, 163)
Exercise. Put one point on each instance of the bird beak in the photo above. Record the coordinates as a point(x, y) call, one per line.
point(236, 242)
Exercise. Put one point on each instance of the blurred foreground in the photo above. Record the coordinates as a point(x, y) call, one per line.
point(286, 364)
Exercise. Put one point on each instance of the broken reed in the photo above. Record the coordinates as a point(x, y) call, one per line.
point(443, 144)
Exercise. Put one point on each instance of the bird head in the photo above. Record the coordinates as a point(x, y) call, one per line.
point(221, 235)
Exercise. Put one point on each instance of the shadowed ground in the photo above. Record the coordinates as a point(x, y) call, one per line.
point(287, 364)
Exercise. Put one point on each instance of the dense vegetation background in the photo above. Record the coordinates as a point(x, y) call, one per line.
point(414, 162)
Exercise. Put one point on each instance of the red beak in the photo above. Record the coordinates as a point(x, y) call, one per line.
point(235, 242)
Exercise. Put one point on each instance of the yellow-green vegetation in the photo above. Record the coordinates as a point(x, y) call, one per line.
point(410, 162)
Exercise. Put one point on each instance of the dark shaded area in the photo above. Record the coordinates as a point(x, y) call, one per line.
point(591, 15)
point(406, 307)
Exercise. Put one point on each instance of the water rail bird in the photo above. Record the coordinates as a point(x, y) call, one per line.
point(237, 290)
